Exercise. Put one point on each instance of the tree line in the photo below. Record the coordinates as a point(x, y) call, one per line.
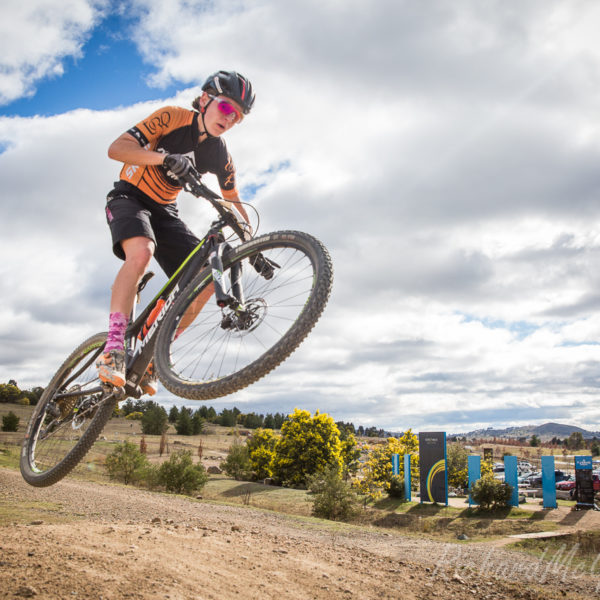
point(10, 392)
point(155, 419)
point(180, 417)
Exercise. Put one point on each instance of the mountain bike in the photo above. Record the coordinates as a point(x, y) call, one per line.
point(227, 317)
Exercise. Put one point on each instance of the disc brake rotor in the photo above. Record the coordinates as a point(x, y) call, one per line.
point(243, 322)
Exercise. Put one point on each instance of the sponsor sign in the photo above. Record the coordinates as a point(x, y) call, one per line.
point(433, 473)
point(584, 484)
point(583, 462)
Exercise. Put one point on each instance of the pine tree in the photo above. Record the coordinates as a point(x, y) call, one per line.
point(184, 422)
point(173, 414)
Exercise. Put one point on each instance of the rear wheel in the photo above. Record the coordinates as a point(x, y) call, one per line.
point(204, 352)
point(68, 417)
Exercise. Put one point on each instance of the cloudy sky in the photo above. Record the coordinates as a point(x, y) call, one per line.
point(446, 152)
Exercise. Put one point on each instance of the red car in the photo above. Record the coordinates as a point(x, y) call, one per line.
point(567, 484)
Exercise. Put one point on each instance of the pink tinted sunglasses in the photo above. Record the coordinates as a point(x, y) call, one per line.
point(227, 108)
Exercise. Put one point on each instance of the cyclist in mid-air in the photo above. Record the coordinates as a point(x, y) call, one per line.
point(141, 209)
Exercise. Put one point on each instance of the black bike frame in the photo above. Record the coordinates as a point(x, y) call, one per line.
point(140, 348)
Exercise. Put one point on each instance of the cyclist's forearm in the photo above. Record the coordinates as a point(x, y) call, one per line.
point(126, 149)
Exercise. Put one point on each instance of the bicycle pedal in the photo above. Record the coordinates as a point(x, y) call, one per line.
point(118, 392)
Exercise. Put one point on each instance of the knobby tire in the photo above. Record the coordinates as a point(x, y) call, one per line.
point(48, 455)
point(205, 356)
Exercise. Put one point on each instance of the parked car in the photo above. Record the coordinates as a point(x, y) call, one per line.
point(528, 479)
point(560, 476)
point(567, 484)
point(535, 480)
point(524, 466)
point(523, 476)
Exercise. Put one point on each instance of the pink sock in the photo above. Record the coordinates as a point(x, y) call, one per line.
point(117, 324)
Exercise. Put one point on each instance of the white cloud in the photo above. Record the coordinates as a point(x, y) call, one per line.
point(446, 154)
point(35, 38)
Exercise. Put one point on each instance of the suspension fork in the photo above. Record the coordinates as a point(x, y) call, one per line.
point(215, 259)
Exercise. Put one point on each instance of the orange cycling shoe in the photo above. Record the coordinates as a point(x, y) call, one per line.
point(111, 367)
point(149, 382)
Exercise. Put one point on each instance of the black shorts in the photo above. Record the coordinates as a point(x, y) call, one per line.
point(129, 215)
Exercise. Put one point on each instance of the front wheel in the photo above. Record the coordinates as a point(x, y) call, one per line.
point(68, 417)
point(205, 352)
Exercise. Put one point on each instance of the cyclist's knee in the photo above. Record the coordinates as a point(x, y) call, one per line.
point(138, 253)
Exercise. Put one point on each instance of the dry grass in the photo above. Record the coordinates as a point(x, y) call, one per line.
point(583, 548)
point(435, 520)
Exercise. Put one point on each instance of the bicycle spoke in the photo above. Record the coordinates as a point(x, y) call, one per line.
point(207, 351)
point(204, 352)
point(66, 411)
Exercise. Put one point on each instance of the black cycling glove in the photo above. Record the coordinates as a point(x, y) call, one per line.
point(178, 164)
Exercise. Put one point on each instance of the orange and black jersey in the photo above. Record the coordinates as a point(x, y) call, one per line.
point(175, 130)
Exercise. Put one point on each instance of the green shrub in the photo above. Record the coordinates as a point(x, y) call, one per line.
point(180, 475)
point(148, 476)
point(10, 422)
point(154, 420)
point(396, 489)
point(457, 462)
point(491, 493)
point(333, 498)
point(237, 464)
point(126, 463)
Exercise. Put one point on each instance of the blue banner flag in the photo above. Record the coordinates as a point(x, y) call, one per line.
point(407, 478)
point(548, 482)
point(395, 464)
point(511, 476)
point(474, 465)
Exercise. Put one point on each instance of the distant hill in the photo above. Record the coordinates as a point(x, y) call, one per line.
point(544, 432)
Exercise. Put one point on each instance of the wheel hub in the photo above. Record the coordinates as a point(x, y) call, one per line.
point(242, 322)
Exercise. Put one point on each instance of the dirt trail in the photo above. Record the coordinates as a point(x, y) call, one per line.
point(112, 542)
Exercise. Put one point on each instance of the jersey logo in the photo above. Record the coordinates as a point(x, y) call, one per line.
point(130, 171)
point(158, 122)
point(230, 179)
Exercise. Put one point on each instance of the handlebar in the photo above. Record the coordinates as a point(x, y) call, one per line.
point(192, 183)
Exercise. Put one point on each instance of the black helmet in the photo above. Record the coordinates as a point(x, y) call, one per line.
point(233, 85)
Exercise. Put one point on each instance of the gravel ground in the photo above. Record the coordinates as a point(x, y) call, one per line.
point(89, 540)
